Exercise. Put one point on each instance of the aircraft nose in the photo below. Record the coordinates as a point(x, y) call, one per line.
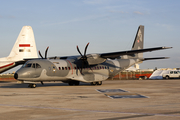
point(16, 76)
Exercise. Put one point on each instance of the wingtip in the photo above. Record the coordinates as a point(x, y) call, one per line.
point(167, 47)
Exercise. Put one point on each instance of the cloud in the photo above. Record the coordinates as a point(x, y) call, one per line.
point(139, 13)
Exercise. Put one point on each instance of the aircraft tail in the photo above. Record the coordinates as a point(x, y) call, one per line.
point(139, 41)
point(25, 46)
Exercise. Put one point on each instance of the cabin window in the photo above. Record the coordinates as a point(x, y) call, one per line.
point(68, 68)
point(59, 68)
point(62, 68)
point(65, 68)
point(102, 67)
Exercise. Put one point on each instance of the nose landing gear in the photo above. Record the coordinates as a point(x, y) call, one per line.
point(32, 85)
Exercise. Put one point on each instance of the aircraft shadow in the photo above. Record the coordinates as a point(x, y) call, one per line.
point(18, 85)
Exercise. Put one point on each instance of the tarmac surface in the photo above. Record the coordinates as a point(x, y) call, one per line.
point(55, 101)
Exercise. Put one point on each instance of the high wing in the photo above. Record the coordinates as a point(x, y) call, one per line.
point(136, 51)
point(130, 52)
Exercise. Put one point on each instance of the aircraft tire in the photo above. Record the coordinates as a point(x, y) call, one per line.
point(33, 86)
point(93, 83)
point(76, 82)
point(71, 83)
point(99, 83)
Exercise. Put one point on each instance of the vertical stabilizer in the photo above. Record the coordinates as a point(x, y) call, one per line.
point(139, 41)
point(25, 46)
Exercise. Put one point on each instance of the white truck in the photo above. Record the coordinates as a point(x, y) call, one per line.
point(172, 74)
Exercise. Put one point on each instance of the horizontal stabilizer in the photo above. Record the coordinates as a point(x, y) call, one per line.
point(155, 58)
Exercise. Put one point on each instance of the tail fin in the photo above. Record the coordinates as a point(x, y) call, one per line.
point(139, 41)
point(25, 46)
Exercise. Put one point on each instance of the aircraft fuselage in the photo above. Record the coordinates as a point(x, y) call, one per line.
point(65, 70)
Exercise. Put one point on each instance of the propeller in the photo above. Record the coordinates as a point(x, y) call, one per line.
point(45, 53)
point(83, 57)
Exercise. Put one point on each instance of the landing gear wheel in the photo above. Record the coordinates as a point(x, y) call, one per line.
point(93, 83)
point(71, 83)
point(32, 85)
point(76, 82)
point(99, 83)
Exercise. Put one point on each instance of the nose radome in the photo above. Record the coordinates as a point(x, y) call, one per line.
point(16, 76)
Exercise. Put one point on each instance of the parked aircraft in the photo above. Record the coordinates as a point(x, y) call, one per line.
point(88, 68)
point(24, 48)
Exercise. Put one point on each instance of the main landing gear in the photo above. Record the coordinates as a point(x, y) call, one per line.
point(96, 83)
point(71, 83)
point(32, 85)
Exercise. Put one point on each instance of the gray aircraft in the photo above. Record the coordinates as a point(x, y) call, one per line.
point(88, 68)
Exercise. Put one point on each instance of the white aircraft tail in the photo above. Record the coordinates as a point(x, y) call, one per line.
point(25, 46)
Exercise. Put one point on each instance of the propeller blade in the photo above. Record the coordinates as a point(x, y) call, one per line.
point(85, 50)
point(83, 58)
point(46, 52)
point(40, 54)
point(79, 51)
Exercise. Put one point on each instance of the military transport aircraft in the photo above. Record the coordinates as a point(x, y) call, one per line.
point(88, 68)
point(24, 48)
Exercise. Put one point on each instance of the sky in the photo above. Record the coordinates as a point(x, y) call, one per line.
point(108, 25)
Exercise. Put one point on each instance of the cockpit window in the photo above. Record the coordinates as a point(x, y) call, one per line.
point(36, 65)
point(28, 65)
point(33, 65)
